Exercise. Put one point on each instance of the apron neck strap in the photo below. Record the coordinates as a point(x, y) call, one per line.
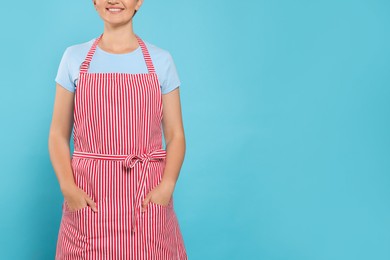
point(85, 64)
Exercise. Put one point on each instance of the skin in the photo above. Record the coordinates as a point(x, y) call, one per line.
point(118, 38)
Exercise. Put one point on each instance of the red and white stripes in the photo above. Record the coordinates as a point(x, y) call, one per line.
point(118, 158)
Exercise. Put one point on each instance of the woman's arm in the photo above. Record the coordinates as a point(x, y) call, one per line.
point(174, 137)
point(175, 147)
point(59, 150)
point(59, 136)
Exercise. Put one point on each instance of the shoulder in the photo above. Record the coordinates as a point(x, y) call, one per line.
point(159, 55)
point(77, 52)
point(69, 66)
point(165, 67)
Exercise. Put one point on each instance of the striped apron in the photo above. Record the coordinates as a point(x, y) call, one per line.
point(117, 159)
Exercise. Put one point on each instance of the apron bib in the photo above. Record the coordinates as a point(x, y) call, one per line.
point(118, 158)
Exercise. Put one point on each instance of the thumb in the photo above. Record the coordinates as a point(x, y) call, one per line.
point(145, 202)
point(91, 203)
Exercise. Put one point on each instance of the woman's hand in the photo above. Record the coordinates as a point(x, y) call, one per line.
point(161, 195)
point(77, 198)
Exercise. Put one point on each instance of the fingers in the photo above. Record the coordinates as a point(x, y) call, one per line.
point(145, 203)
point(91, 203)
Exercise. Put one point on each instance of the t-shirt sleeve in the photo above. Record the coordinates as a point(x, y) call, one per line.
point(63, 74)
point(171, 80)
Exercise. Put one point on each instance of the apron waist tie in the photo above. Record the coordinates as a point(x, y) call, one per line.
point(130, 161)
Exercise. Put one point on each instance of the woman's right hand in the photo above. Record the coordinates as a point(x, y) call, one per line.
point(77, 198)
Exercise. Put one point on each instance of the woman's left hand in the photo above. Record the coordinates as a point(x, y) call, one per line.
point(161, 195)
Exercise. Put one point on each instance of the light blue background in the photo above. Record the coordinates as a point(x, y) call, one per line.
point(286, 114)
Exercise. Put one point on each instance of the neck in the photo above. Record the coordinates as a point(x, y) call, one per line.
point(119, 39)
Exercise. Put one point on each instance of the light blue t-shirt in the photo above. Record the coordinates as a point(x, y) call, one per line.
point(105, 62)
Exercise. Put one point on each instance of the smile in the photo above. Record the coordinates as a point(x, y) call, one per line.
point(114, 10)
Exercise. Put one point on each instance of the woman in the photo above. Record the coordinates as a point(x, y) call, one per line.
point(117, 91)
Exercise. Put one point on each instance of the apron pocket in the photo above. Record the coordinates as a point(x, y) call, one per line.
point(162, 206)
point(74, 225)
point(67, 211)
point(77, 211)
point(158, 205)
